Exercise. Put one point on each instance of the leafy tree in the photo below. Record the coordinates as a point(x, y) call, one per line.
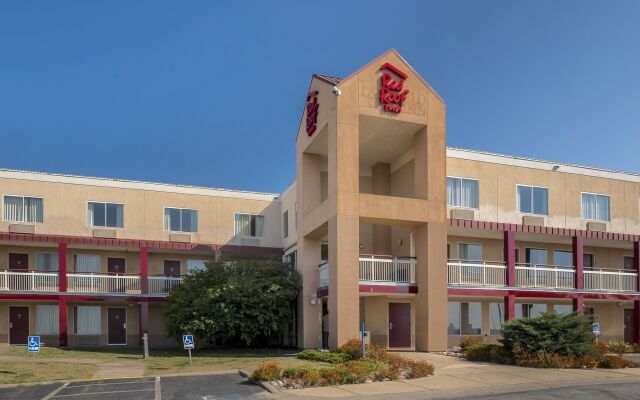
point(565, 334)
point(242, 300)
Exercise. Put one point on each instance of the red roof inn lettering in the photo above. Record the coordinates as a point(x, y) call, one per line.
point(391, 94)
point(312, 112)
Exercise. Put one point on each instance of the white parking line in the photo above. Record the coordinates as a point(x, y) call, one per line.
point(92, 393)
point(157, 387)
point(50, 395)
point(113, 383)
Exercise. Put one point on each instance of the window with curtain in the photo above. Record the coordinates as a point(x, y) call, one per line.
point(285, 224)
point(533, 200)
point(47, 322)
point(87, 263)
point(562, 308)
point(536, 256)
point(46, 261)
point(496, 318)
point(595, 206)
point(23, 209)
point(462, 192)
point(454, 318)
point(87, 320)
point(469, 252)
point(181, 220)
point(249, 225)
point(105, 215)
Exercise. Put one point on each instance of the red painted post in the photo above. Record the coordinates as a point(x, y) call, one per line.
point(510, 256)
point(62, 322)
point(62, 267)
point(509, 307)
point(144, 270)
point(578, 304)
point(578, 260)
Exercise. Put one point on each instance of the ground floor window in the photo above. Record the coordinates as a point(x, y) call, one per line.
point(530, 310)
point(47, 322)
point(562, 308)
point(465, 318)
point(87, 320)
point(496, 318)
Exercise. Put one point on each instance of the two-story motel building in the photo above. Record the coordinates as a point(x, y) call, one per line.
point(424, 244)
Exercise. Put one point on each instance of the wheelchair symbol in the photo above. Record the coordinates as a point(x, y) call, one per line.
point(188, 341)
point(33, 342)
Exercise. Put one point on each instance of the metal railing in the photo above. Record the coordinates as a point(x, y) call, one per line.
point(163, 284)
point(103, 283)
point(611, 280)
point(323, 270)
point(545, 276)
point(374, 268)
point(476, 273)
point(31, 281)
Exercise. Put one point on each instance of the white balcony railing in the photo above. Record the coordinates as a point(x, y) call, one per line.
point(324, 274)
point(387, 269)
point(611, 280)
point(476, 273)
point(545, 276)
point(101, 283)
point(162, 284)
point(30, 281)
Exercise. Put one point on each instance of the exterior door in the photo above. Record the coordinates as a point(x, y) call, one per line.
point(171, 268)
point(18, 325)
point(629, 325)
point(18, 262)
point(116, 266)
point(117, 326)
point(399, 325)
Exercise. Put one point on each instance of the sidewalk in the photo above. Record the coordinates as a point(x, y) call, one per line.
point(457, 377)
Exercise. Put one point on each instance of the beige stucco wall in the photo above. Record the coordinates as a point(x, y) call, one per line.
point(376, 317)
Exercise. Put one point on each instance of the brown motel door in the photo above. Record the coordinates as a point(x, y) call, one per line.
point(629, 325)
point(117, 326)
point(171, 268)
point(18, 325)
point(18, 261)
point(116, 266)
point(399, 325)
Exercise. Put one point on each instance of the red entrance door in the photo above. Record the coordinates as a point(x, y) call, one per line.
point(117, 326)
point(399, 325)
point(18, 325)
point(18, 262)
point(629, 325)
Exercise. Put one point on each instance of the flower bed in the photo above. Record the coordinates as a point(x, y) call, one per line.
point(348, 367)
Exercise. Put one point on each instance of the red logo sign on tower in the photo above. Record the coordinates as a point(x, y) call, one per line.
point(312, 112)
point(391, 94)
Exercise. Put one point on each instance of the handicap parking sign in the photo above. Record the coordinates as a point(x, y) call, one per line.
point(187, 341)
point(33, 344)
point(596, 328)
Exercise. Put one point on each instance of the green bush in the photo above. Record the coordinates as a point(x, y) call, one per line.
point(469, 341)
point(419, 369)
point(324, 356)
point(563, 334)
point(267, 371)
point(618, 347)
point(479, 352)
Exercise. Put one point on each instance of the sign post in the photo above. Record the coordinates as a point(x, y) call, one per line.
point(596, 330)
point(362, 338)
point(33, 346)
point(188, 343)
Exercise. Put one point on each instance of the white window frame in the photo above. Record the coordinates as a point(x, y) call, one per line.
point(23, 209)
point(105, 214)
point(593, 219)
point(168, 229)
point(518, 200)
point(264, 224)
point(462, 178)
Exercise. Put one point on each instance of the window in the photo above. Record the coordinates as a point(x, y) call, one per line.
point(180, 220)
point(106, 215)
point(587, 261)
point(285, 224)
point(454, 318)
point(249, 225)
point(291, 259)
point(562, 308)
point(629, 263)
point(465, 318)
point(46, 262)
point(563, 258)
point(324, 251)
point(536, 256)
point(87, 320)
point(23, 209)
point(595, 206)
point(530, 310)
point(47, 322)
point(196, 265)
point(87, 263)
point(496, 318)
point(469, 252)
point(462, 192)
point(532, 200)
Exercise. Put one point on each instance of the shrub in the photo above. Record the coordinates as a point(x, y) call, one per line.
point(302, 377)
point(635, 348)
point(618, 347)
point(358, 371)
point(267, 371)
point(479, 352)
point(352, 347)
point(545, 360)
point(419, 369)
point(563, 334)
point(469, 341)
point(616, 361)
point(334, 375)
point(324, 356)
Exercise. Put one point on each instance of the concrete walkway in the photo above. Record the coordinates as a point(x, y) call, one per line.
point(107, 369)
point(456, 377)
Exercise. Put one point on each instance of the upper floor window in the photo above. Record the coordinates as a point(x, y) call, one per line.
point(23, 209)
point(469, 252)
point(249, 225)
point(595, 206)
point(285, 224)
point(180, 220)
point(462, 192)
point(106, 215)
point(533, 200)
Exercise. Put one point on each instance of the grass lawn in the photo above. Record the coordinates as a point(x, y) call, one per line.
point(97, 353)
point(26, 372)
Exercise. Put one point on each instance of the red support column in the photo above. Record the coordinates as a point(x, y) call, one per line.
point(509, 307)
point(510, 256)
point(62, 267)
point(62, 322)
point(578, 260)
point(636, 322)
point(578, 304)
point(144, 270)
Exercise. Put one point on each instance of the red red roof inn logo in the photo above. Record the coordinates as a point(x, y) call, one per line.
point(312, 112)
point(391, 94)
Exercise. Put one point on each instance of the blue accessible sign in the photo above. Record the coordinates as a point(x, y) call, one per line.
point(33, 344)
point(187, 341)
point(596, 328)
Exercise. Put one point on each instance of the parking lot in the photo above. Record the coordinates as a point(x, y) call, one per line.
point(206, 387)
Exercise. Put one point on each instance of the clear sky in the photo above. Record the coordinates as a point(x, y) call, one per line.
point(211, 93)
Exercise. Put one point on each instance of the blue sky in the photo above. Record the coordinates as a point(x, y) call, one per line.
point(210, 93)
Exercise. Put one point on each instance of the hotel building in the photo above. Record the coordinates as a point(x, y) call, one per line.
point(422, 243)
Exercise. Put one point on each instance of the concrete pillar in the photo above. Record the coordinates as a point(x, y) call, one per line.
point(578, 304)
point(144, 270)
point(62, 322)
point(578, 260)
point(309, 315)
point(509, 307)
point(381, 184)
point(510, 257)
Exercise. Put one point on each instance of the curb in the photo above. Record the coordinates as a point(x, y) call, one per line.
point(268, 386)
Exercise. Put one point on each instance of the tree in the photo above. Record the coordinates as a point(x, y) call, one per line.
point(242, 300)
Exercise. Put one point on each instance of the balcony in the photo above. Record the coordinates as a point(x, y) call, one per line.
point(611, 280)
point(28, 281)
point(103, 283)
point(162, 284)
point(476, 273)
point(374, 268)
point(545, 276)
